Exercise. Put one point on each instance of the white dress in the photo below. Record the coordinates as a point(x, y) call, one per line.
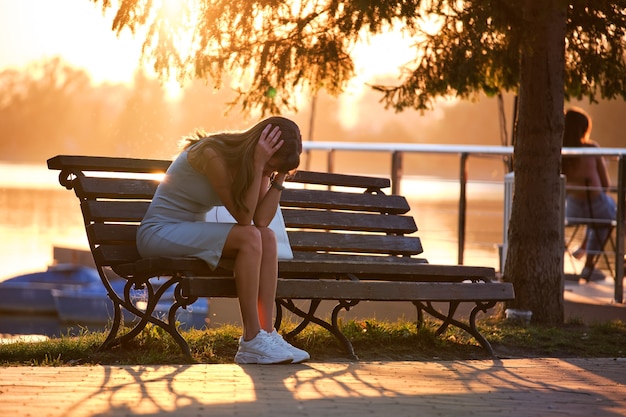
point(175, 225)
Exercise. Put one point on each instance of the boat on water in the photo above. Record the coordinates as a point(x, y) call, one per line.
point(92, 306)
point(75, 294)
point(32, 293)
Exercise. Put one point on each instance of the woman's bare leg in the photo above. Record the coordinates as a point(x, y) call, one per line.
point(245, 245)
point(268, 278)
point(582, 249)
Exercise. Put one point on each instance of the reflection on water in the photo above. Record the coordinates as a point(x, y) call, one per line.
point(31, 222)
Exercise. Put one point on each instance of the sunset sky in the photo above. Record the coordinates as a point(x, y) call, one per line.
point(76, 30)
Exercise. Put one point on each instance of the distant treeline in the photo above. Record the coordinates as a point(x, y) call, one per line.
point(52, 108)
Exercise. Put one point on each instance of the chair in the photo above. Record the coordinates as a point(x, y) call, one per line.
point(580, 224)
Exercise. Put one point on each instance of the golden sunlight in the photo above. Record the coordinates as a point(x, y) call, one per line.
point(78, 32)
point(172, 7)
point(75, 30)
point(180, 16)
point(382, 59)
point(376, 59)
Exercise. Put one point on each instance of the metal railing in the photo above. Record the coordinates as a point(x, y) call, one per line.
point(464, 152)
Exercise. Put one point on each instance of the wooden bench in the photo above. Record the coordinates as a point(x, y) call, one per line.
point(351, 242)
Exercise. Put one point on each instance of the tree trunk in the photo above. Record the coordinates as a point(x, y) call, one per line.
point(534, 262)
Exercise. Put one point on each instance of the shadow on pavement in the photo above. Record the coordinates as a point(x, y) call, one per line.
point(516, 387)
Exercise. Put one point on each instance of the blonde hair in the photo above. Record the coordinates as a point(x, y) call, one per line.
point(237, 149)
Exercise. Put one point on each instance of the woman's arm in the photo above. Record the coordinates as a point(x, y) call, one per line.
point(269, 197)
point(221, 176)
point(601, 169)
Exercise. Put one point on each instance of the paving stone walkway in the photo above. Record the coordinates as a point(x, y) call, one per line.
point(508, 387)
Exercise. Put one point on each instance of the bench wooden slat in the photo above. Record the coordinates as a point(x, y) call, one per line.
point(370, 290)
point(112, 255)
point(315, 265)
point(108, 164)
point(115, 188)
point(340, 180)
point(156, 166)
point(133, 211)
point(365, 222)
point(347, 242)
point(112, 235)
point(143, 189)
point(390, 268)
point(119, 233)
point(335, 200)
point(114, 211)
point(394, 291)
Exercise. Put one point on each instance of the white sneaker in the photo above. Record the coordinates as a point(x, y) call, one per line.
point(263, 349)
point(299, 355)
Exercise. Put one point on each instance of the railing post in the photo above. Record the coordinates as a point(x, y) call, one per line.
point(330, 161)
point(462, 207)
point(396, 171)
point(619, 232)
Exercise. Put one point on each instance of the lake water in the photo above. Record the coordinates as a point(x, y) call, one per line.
point(35, 214)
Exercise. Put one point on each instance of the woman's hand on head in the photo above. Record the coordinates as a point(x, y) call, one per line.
point(268, 144)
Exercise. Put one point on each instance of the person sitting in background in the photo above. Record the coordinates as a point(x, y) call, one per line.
point(587, 182)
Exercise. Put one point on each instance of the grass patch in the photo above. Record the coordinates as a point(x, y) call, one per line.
point(372, 340)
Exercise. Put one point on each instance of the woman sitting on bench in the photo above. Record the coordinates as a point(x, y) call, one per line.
point(243, 172)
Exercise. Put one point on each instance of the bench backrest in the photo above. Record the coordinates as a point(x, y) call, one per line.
point(323, 212)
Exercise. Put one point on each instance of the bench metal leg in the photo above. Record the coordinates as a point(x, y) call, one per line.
point(313, 305)
point(146, 316)
point(309, 317)
point(448, 319)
